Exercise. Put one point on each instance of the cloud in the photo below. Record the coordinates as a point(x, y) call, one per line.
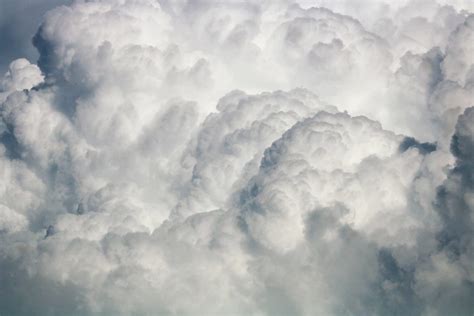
point(239, 158)
point(21, 76)
point(448, 273)
point(247, 124)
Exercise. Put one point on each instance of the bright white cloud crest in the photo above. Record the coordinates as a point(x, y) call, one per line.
point(240, 158)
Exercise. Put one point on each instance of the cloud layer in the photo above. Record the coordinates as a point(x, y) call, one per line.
point(240, 158)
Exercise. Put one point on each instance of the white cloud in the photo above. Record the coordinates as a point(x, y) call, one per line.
point(240, 158)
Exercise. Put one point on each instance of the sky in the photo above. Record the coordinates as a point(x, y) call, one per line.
point(19, 20)
point(201, 157)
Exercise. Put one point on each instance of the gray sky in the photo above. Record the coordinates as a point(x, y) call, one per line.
point(19, 20)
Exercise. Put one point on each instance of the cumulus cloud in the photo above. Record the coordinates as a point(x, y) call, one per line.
point(239, 158)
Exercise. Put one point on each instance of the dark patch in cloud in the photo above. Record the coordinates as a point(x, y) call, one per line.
point(411, 142)
point(13, 149)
